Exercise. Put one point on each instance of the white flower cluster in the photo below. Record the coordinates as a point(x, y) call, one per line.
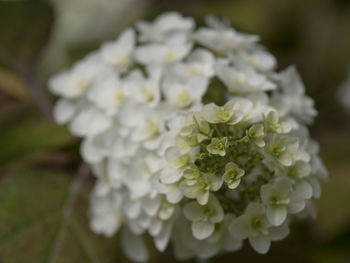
point(204, 176)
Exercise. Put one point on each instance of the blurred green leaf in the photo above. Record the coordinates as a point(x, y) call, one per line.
point(31, 204)
point(31, 137)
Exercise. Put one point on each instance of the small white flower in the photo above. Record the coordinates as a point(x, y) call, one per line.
point(224, 40)
point(292, 100)
point(186, 94)
point(201, 189)
point(199, 62)
point(253, 225)
point(204, 217)
point(146, 123)
point(242, 80)
point(186, 143)
point(174, 49)
point(108, 92)
point(272, 123)
point(119, 53)
point(76, 82)
point(282, 148)
point(146, 89)
point(299, 170)
point(276, 197)
point(258, 58)
point(149, 128)
point(252, 112)
point(164, 26)
point(302, 191)
point(225, 114)
point(232, 175)
point(218, 146)
point(223, 237)
point(177, 163)
point(138, 180)
point(89, 121)
point(256, 134)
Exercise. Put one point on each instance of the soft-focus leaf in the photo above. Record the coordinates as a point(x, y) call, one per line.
point(31, 137)
point(31, 204)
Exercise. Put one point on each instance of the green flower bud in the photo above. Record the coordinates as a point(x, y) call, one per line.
point(218, 146)
point(232, 175)
point(256, 134)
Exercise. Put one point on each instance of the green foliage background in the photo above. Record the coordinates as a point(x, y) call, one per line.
point(44, 188)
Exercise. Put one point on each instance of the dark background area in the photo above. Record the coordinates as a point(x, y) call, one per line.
point(44, 188)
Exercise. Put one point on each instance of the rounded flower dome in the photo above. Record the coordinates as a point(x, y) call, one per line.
point(193, 137)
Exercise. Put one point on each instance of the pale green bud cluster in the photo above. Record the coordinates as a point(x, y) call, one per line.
point(251, 166)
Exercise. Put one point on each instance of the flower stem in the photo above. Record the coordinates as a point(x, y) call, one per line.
point(218, 132)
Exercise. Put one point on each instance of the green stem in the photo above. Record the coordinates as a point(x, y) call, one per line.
point(217, 131)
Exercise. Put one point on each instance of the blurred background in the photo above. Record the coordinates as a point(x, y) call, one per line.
point(44, 188)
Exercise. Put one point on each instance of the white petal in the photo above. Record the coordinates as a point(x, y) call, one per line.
point(174, 195)
point(90, 122)
point(230, 243)
point(295, 206)
point(190, 191)
point(279, 233)
point(132, 209)
point(150, 206)
point(198, 86)
point(136, 227)
point(218, 213)
point(202, 229)
point(207, 250)
point(155, 227)
point(215, 182)
point(234, 184)
point(162, 240)
point(170, 175)
point(116, 170)
point(276, 214)
point(239, 228)
point(203, 197)
point(130, 113)
point(134, 247)
point(193, 211)
point(90, 152)
point(63, 111)
point(316, 187)
point(303, 190)
point(260, 244)
point(208, 113)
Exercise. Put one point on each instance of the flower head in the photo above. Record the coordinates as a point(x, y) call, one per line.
point(173, 163)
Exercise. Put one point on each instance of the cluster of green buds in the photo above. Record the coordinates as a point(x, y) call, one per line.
point(239, 159)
